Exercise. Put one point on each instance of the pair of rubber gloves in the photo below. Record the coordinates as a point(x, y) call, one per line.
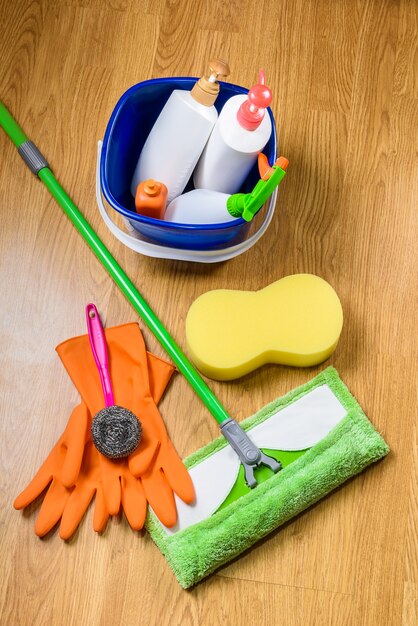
point(75, 471)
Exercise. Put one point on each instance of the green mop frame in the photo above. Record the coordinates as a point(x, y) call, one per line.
point(199, 550)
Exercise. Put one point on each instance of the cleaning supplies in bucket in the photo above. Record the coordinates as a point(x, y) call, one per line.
point(239, 135)
point(296, 320)
point(180, 133)
point(204, 206)
point(127, 130)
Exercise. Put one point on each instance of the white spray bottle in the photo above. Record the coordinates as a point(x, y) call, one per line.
point(180, 133)
point(205, 206)
point(240, 134)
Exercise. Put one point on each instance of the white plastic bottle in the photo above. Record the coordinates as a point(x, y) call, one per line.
point(205, 206)
point(180, 133)
point(240, 134)
point(199, 206)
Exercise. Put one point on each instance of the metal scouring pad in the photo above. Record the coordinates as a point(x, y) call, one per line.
point(116, 432)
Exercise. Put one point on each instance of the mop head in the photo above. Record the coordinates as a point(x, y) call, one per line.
point(322, 437)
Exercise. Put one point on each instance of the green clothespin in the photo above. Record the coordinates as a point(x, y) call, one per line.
point(246, 205)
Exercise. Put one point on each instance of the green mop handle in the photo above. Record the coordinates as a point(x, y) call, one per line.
point(39, 166)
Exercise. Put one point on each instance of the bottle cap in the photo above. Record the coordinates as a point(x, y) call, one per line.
point(151, 187)
point(206, 89)
point(252, 111)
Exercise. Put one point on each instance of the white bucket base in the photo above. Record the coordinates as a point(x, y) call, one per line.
point(134, 241)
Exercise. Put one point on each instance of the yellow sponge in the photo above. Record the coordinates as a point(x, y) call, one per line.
point(294, 321)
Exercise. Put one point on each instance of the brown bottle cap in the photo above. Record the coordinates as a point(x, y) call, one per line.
point(206, 89)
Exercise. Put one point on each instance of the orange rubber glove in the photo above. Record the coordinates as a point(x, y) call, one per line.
point(77, 471)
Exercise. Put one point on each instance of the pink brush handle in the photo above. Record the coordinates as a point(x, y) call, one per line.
point(98, 347)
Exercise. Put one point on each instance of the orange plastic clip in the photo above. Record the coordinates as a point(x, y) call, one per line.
point(264, 167)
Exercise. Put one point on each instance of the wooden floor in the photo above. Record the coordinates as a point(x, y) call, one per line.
point(345, 81)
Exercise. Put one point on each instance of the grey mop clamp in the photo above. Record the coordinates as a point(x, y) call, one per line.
point(249, 454)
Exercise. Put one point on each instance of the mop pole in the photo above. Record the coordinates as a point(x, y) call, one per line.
point(249, 454)
point(40, 167)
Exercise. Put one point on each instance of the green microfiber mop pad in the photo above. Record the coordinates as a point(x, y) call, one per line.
point(346, 450)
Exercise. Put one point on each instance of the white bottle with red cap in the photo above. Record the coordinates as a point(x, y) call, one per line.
point(240, 134)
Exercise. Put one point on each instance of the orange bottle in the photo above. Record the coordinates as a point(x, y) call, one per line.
point(151, 199)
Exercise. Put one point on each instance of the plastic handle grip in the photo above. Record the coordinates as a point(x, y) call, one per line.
point(99, 350)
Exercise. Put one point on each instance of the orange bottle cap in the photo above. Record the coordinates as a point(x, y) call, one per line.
point(152, 187)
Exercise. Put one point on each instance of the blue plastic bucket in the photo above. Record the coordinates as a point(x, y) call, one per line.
point(128, 127)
